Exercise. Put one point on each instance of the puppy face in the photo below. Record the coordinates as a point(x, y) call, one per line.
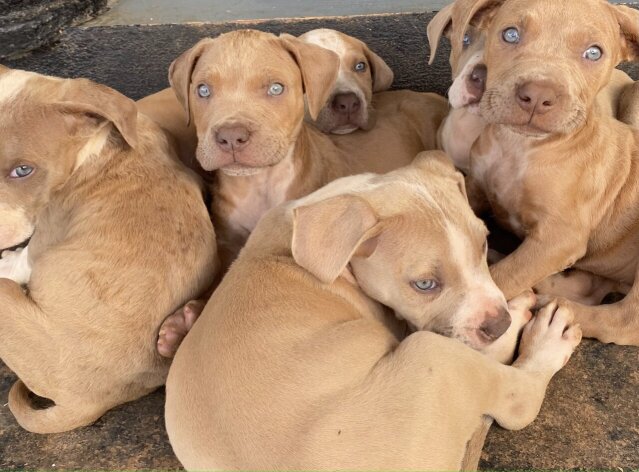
point(46, 132)
point(548, 59)
point(412, 243)
point(361, 72)
point(244, 91)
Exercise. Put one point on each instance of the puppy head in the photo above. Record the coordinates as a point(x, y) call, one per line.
point(411, 242)
point(49, 127)
point(548, 59)
point(466, 57)
point(361, 73)
point(245, 92)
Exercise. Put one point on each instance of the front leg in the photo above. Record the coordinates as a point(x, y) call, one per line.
point(548, 249)
point(14, 265)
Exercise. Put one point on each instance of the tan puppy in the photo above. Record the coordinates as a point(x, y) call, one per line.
point(464, 124)
point(122, 238)
point(292, 366)
point(558, 170)
point(382, 130)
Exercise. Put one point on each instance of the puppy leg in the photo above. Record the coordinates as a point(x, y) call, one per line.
point(579, 286)
point(176, 327)
point(14, 265)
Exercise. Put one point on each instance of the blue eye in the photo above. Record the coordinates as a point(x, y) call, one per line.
point(21, 172)
point(203, 91)
point(593, 53)
point(426, 285)
point(467, 40)
point(360, 67)
point(275, 89)
point(511, 35)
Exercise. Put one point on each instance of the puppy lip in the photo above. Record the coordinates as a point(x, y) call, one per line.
point(17, 246)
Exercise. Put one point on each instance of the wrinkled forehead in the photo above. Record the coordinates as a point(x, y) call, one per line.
point(560, 21)
point(341, 44)
point(245, 56)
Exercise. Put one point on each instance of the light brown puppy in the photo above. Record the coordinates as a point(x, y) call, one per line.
point(558, 170)
point(292, 365)
point(464, 124)
point(382, 130)
point(120, 237)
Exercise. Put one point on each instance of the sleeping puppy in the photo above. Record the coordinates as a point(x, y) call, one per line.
point(292, 365)
point(120, 238)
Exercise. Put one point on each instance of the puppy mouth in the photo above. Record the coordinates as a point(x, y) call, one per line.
point(239, 170)
point(17, 246)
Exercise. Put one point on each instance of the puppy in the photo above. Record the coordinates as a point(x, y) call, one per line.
point(364, 121)
point(558, 170)
point(292, 367)
point(120, 237)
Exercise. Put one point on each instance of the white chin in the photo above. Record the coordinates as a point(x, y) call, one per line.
point(237, 170)
point(342, 131)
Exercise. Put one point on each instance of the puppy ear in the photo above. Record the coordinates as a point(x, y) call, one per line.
point(180, 72)
point(383, 75)
point(628, 19)
point(478, 12)
point(327, 234)
point(95, 103)
point(319, 68)
point(4, 69)
point(437, 27)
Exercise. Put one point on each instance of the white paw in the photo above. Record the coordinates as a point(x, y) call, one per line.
point(503, 349)
point(549, 339)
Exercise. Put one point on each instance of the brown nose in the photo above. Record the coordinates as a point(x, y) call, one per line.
point(495, 325)
point(476, 81)
point(346, 103)
point(536, 97)
point(232, 138)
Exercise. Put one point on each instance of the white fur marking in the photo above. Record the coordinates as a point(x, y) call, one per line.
point(15, 266)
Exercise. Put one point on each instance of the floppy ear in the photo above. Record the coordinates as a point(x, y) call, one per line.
point(382, 74)
point(628, 19)
point(180, 72)
point(437, 27)
point(327, 234)
point(480, 13)
point(319, 68)
point(4, 69)
point(95, 103)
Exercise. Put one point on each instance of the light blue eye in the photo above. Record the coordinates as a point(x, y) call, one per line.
point(276, 89)
point(593, 53)
point(21, 172)
point(467, 40)
point(203, 91)
point(511, 35)
point(360, 67)
point(426, 285)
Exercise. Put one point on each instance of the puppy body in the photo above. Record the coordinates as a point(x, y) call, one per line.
point(122, 238)
point(311, 377)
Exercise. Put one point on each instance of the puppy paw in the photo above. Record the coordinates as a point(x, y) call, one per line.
point(549, 339)
point(176, 327)
point(503, 349)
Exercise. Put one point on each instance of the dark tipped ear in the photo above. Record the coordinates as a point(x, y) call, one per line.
point(319, 68)
point(478, 12)
point(437, 27)
point(628, 19)
point(382, 74)
point(180, 72)
point(328, 233)
point(95, 103)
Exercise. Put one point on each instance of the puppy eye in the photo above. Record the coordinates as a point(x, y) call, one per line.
point(511, 35)
point(426, 285)
point(593, 53)
point(467, 40)
point(360, 67)
point(21, 171)
point(203, 91)
point(275, 89)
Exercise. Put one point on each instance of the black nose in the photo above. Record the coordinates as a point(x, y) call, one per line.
point(346, 103)
point(495, 324)
point(232, 138)
point(476, 81)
